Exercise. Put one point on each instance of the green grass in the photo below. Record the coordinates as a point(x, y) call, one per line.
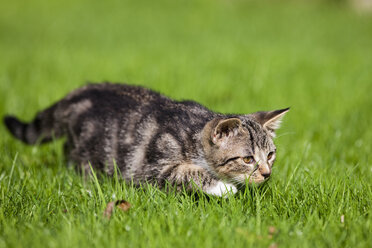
point(232, 56)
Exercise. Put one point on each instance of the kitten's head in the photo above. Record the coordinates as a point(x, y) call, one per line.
point(242, 148)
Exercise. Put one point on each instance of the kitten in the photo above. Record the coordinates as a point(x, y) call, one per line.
point(155, 139)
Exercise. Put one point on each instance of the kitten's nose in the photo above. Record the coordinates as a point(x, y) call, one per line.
point(266, 175)
point(265, 170)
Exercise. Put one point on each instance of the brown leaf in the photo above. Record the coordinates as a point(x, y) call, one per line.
point(121, 204)
point(273, 245)
point(109, 209)
point(272, 230)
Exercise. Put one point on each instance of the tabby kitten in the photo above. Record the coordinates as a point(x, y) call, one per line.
point(155, 139)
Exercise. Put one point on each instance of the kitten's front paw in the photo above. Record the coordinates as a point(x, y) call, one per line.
point(221, 189)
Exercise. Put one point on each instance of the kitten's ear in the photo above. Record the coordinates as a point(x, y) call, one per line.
point(225, 129)
point(270, 120)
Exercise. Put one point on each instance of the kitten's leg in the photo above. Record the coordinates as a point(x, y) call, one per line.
point(192, 176)
point(221, 189)
point(78, 158)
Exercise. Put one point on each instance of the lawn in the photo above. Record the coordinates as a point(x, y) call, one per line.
point(232, 56)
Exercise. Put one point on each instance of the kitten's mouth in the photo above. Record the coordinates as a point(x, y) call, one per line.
point(261, 180)
point(252, 178)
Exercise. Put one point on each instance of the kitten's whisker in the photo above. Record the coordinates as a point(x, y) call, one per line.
point(286, 133)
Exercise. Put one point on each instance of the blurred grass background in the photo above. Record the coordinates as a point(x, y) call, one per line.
point(230, 55)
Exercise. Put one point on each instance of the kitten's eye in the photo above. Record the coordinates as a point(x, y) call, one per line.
point(248, 160)
point(270, 155)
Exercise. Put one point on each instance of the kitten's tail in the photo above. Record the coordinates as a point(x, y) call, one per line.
point(42, 129)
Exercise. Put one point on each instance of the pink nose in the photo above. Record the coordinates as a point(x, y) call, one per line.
point(265, 171)
point(266, 175)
